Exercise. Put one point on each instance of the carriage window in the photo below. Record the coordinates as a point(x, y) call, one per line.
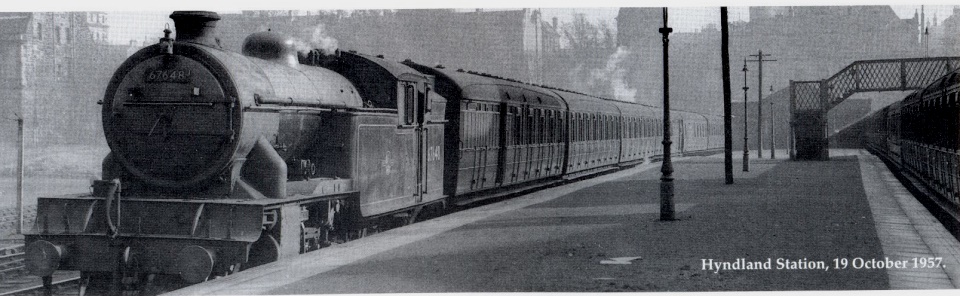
point(514, 124)
point(644, 128)
point(575, 123)
point(519, 121)
point(558, 127)
point(635, 127)
point(555, 126)
point(587, 127)
point(592, 127)
point(608, 120)
point(601, 127)
point(613, 128)
point(547, 126)
point(605, 124)
point(573, 118)
point(523, 126)
point(471, 127)
point(582, 127)
point(575, 126)
point(542, 127)
point(537, 127)
point(529, 138)
point(598, 127)
point(604, 127)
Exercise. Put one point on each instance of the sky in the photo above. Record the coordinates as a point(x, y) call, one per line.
point(142, 20)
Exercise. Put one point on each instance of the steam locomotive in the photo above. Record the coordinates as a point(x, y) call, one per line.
point(222, 161)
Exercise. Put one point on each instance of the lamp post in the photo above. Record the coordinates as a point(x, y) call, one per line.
point(746, 146)
point(666, 180)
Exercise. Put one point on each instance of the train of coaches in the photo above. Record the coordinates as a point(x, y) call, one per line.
point(221, 161)
point(920, 135)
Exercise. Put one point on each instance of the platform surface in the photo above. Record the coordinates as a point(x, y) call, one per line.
point(801, 225)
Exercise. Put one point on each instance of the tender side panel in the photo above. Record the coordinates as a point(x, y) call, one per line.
point(388, 168)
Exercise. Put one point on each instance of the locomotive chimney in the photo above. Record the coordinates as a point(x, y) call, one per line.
point(196, 27)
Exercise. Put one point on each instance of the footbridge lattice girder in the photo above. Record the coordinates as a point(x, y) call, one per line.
point(860, 76)
point(886, 75)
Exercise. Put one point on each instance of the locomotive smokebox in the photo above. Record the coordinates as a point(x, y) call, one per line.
point(196, 27)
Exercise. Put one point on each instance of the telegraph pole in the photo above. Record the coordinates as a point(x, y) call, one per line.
point(727, 121)
point(760, 60)
point(746, 137)
point(666, 180)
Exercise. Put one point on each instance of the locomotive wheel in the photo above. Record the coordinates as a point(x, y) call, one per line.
point(263, 251)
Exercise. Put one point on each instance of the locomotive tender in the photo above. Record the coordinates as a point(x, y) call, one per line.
point(222, 160)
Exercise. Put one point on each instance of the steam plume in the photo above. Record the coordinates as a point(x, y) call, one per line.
point(318, 40)
point(614, 74)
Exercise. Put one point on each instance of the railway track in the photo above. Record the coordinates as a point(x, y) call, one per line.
point(63, 285)
point(11, 259)
point(13, 278)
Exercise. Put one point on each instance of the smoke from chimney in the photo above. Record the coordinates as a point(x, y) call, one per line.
point(318, 40)
point(614, 74)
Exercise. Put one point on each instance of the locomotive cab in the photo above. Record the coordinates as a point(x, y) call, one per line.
point(400, 133)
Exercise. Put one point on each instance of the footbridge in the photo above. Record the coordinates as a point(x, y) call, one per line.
point(811, 100)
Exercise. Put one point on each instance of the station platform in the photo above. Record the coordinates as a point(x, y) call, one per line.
point(843, 224)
